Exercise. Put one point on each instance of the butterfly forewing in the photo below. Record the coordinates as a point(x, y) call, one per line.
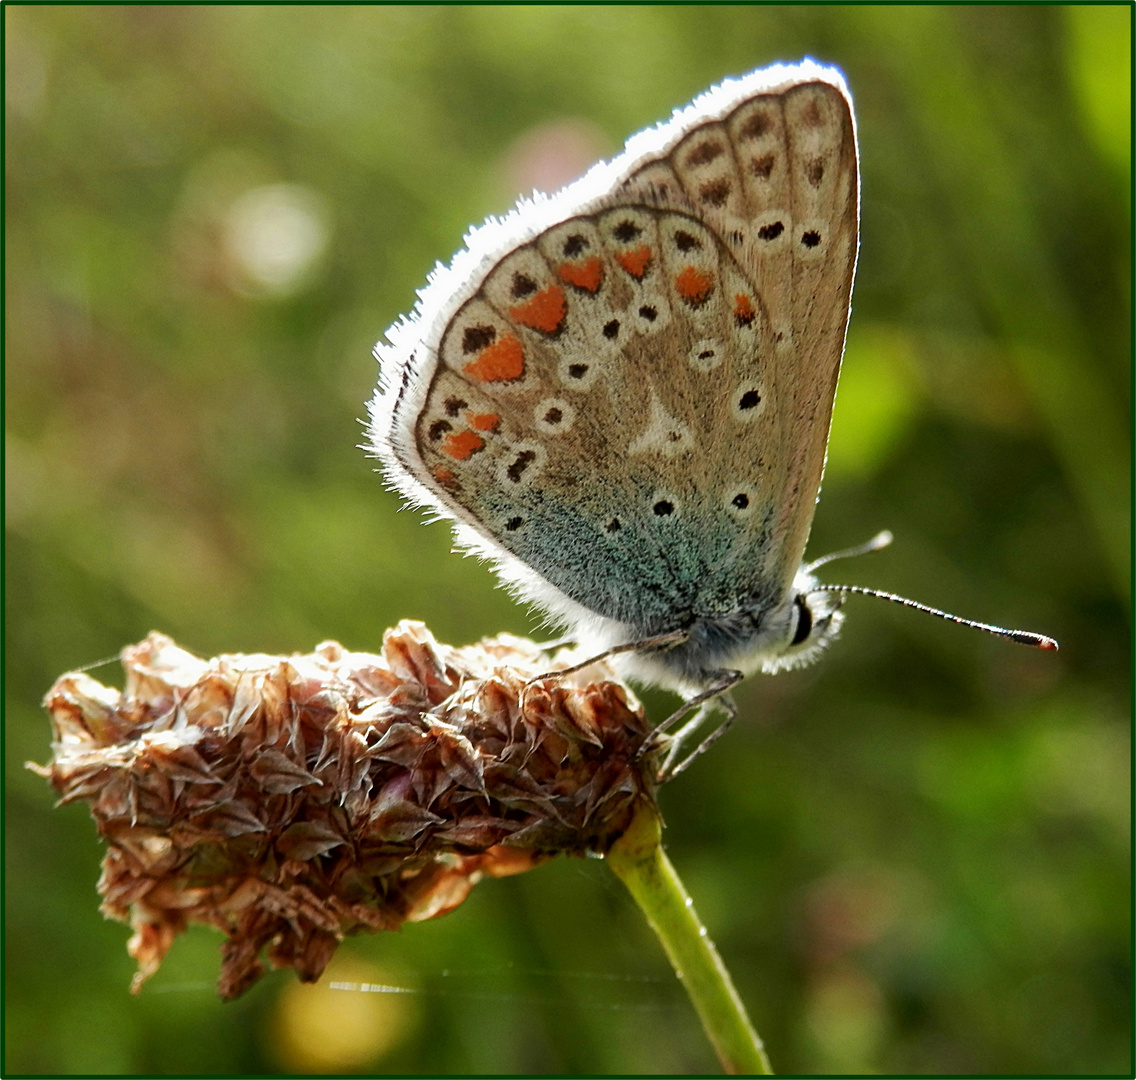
point(776, 178)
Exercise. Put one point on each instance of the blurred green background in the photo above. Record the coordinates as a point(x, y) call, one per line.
point(914, 857)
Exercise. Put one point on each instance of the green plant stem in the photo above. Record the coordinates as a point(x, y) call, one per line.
point(638, 860)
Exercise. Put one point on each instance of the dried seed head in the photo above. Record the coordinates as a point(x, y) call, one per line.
point(292, 800)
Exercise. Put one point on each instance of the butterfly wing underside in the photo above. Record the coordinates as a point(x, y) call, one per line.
point(781, 172)
point(635, 401)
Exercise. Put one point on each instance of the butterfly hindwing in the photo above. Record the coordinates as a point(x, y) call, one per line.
point(576, 397)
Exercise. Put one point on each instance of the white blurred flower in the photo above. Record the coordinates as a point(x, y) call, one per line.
point(275, 236)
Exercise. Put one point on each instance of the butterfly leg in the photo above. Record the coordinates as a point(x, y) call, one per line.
point(670, 768)
point(713, 699)
point(674, 637)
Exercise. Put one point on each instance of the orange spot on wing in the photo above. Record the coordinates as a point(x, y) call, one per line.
point(693, 285)
point(743, 309)
point(446, 477)
point(499, 362)
point(586, 275)
point(635, 262)
point(483, 421)
point(462, 444)
point(544, 312)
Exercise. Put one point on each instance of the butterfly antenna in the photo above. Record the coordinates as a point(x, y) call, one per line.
point(879, 541)
point(1022, 637)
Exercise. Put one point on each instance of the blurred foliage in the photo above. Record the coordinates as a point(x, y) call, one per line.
point(914, 856)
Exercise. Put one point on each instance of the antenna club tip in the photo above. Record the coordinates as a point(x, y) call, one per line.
point(1035, 641)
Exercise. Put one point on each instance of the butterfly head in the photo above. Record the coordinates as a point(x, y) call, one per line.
point(814, 616)
point(814, 620)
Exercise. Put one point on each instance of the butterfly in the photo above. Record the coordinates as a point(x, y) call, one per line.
point(621, 394)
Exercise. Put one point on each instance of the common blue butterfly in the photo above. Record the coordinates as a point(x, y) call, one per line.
point(621, 394)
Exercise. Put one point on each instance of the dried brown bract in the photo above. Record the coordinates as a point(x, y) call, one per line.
point(290, 801)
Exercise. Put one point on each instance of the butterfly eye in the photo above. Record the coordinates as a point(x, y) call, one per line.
point(804, 622)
